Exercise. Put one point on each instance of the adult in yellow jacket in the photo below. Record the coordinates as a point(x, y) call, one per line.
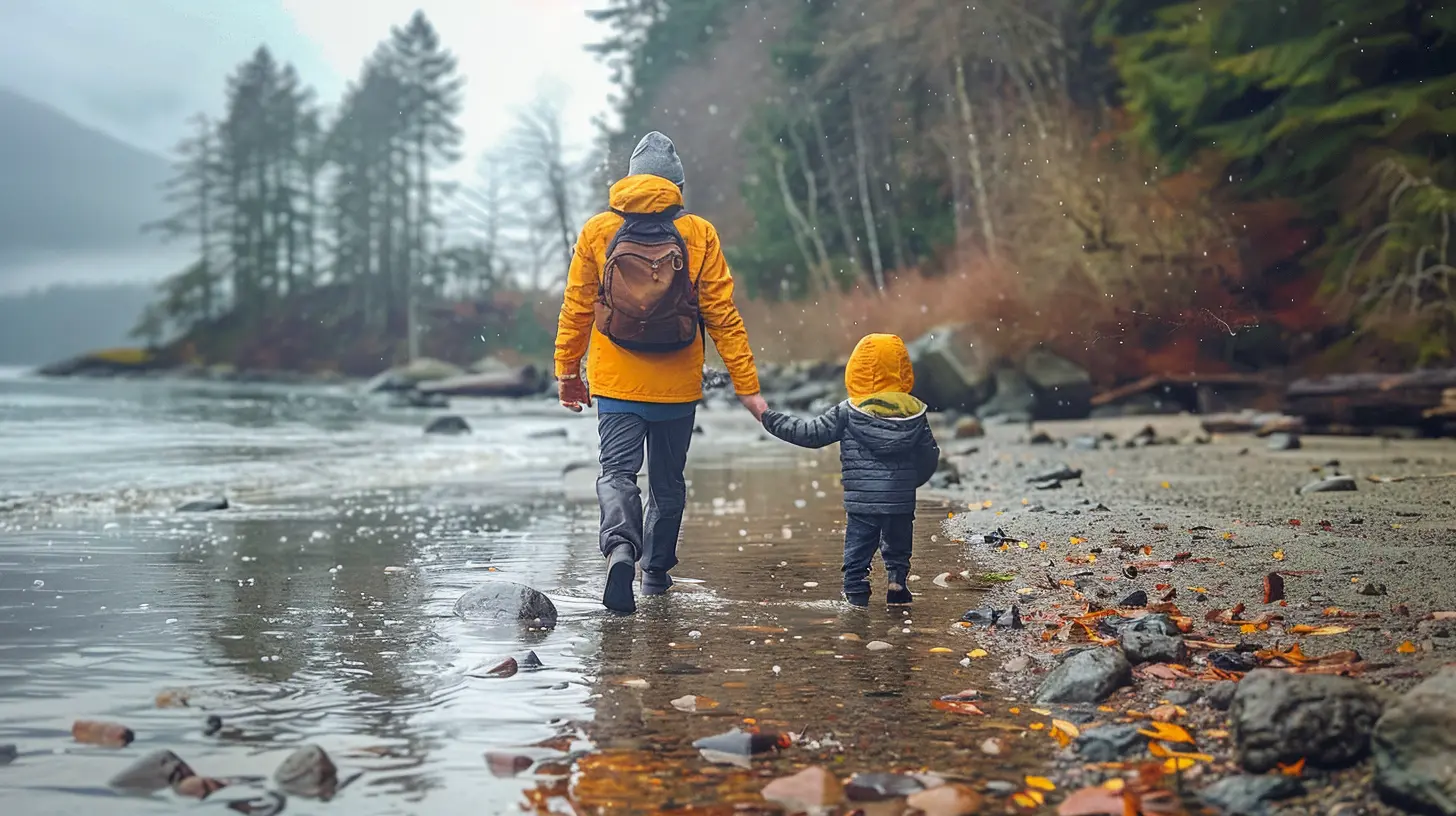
point(646, 400)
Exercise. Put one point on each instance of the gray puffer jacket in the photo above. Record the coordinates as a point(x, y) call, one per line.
point(885, 451)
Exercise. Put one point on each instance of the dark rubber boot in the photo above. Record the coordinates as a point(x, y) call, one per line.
point(655, 583)
point(898, 595)
point(621, 570)
point(858, 600)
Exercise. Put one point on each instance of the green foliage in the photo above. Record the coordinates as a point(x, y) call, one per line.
point(1348, 106)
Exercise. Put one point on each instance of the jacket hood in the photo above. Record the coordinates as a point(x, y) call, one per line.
point(644, 193)
point(879, 363)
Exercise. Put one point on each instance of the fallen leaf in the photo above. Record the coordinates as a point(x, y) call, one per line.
point(1336, 612)
point(1278, 555)
point(1304, 629)
point(1167, 712)
point(940, 650)
point(1176, 764)
point(1406, 648)
point(1292, 769)
point(1040, 783)
point(1167, 732)
point(693, 702)
point(957, 707)
point(977, 654)
point(1064, 732)
point(1029, 799)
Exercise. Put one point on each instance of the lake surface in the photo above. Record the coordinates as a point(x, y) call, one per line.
point(317, 609)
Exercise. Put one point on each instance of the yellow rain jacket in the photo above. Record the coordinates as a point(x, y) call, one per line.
point(879, 377)
point(671, 377)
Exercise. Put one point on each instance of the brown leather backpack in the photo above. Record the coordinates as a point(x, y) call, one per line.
point(648, 300)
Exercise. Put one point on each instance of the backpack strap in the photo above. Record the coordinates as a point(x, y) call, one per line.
point(669, 214)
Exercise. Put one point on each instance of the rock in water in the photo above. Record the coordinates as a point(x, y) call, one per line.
point(8, 753)
point(1087, 676)
point(1415, 747)
point(1249, 795)
point(153, 772)
point(1012, 401)
point(203, 505)
point(1324, 719)
point(878, 787)
point(504, 601)
point(449, 424)
point(308, 772)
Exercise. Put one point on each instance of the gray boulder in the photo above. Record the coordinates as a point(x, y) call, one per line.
point(1248, 795)
point(1415, 747)
point(1279, 717)
point(952, 368)
point(308, 772)
point(410, 375)
point(1063, 389)
point(1153, 639)
point(503, 601)
point(1087, 676)
point(1110, 743)
point(1012, 401)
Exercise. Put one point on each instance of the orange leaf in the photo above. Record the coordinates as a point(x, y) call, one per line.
point(1278, 555)
point(1040, 783)
point(956, 707)
point(1406, 648)
point(1167, 732)
point(1293, 768)
point(1064, 732)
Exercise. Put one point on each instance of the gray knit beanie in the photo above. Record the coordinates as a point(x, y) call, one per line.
point(656, 155)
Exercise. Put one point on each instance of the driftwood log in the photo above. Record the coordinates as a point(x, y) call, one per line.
point(1200, 393)
point(1420, 400)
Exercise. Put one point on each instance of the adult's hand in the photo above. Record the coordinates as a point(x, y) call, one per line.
point(573, 394)
point(755, 405)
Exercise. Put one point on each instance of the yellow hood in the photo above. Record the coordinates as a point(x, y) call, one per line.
point(879, 377)
point(644, 194)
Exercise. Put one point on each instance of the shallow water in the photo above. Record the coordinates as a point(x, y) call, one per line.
point(318, 609)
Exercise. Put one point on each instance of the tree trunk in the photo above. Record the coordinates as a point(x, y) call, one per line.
point(889, 194)
point(978, 178)
point(836, 193)
point(800, 227)
point(862, 175)
point(811, 220)
point(961, 206)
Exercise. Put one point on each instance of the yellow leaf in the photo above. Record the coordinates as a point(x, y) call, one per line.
point(1025, 590)
point(1078, 540)
point(1042, 545)
point(1028, 800)
point(1278, 555)
point(1406, 648)
point(1200, 590)
point(940, 650)
point(1115, 784)
point(1228, 536)
point(1248, 628)
point(1014, 710)
point(1176, 764)
point(1036, 726)
point(1167, 732)
point(1166, 486)
point(977, 654)
point(1064, 732)
point(1040, 783)
point(1304, 629)
point(1042, 711)
point(1022, 544)
point(1091, 558)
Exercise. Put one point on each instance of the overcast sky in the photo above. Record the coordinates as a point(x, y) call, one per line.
point(138, 68)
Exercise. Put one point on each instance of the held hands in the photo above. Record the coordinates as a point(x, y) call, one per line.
point(755, 405)
point(573, 393)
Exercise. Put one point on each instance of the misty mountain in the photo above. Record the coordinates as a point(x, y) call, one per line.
point(51, 324)
point(68, 189)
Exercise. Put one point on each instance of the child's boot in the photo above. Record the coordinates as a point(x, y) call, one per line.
point(896, 593)
point(858, 600)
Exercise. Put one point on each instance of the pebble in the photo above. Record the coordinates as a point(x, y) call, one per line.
point(877, 646)
point(947, 800)
point(811, 788)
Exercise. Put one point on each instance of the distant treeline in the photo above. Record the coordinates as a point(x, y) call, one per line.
point(45, 325)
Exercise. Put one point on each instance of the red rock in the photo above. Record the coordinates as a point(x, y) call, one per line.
point(104, 734)
point(198, 787)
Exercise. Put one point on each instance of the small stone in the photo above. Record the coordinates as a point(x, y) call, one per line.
point(1000, 787)
point(1137, 599)
point(104, 734)
point(878, 787)
point(308, 772)
point(504, 765)
point(1149, 646)
point(530, 661)
point(850, 636)
point(1333, 484)
point(1109, 743)
point(1087, 676)
point(1284, 442)
point(992, 747)
point(1247, 795)
point(214, 725)
point(877, 646)
point(8, 754)
point(1372, 589)
point(204, 505)
point(448, 425)
point(153, 772)
point(1182, 697)
point(812, 788)
point(947, 800)
point(505, 668)
point(1281, 718)
point(198, 787)
point(969, 428)
point(1220, 695)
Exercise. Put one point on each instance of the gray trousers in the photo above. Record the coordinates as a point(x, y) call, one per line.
point(623, 439)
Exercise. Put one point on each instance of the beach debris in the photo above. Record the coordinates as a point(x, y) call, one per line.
point(737, 743)
point(103, 734)
point(692, 703)
point(1063, 473)
point(153, 772)
point(812, 789)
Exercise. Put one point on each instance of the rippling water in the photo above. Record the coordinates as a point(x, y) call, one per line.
point(318, 608)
